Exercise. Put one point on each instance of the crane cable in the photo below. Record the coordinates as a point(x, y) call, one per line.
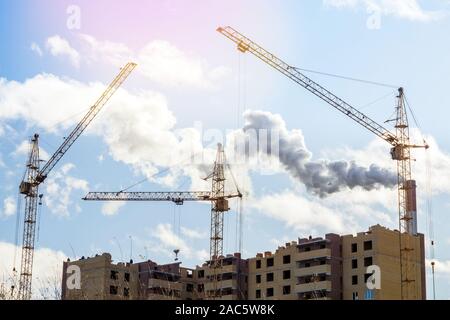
point(430, 222)
point(380, 84)
point(429, 201)
point(159, 172)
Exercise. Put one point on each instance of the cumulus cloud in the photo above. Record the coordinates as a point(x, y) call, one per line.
point(24, 149)
point(138, 126)
point(163, 62)
point(321, 177)
point(95, 51)
point(38, 100)
point(59, 46)
point(112, 208)
point(59, 188)
point(9, 206)
point(299, 212)
point(159, 61)
point(169, 241)
point(47, 268)
point(404, 9)
point(192, 233)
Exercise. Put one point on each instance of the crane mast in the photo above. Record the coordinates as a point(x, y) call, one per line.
point(400, 152)
point(219, 205)
point(34, 176)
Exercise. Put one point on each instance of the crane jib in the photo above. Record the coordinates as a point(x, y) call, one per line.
point(245, 44)
point(84, 123)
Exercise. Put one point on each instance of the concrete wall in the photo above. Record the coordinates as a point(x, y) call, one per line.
point(385, 253)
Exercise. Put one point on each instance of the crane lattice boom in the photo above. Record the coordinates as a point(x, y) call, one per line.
point(175, 196)
point(245, 44)
point(82, 125)
point(34, 176)
point(400, 152)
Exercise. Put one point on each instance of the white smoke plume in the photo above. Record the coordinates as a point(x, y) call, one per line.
point(322, 177)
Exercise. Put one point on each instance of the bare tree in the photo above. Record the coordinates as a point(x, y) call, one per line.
point(49, 288)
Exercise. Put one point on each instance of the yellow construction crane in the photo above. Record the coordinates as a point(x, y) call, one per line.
point(219, 205)
point(399, 140)
point(34, 176)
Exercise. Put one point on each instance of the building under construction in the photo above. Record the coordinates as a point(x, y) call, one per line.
point(331, 268)
point(334, 267)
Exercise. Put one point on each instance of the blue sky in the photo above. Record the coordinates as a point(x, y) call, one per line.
point(52, 73)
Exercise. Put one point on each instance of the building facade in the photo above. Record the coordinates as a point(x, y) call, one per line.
point(232, 279)
point(307, 269)
point(100, 279)
point(381, 247)
point(334, 267)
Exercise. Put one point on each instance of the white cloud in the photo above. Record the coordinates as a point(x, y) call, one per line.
point(159, 60)
point(35, 48)
point(9, 206)
point(442, 267)
point(193, 234)
point(38, 100)
point(96, 51)
point(405, 9)
point(300, 213)
point(137, 126)
point(24, 148)
point(162, 62)
point(169, 241)
point(59, 46)
point(112, 208)
point(47, 267)
point(59, 188)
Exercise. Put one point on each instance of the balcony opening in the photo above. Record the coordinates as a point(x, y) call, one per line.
point(368, 245)
point(114, 275)
point(286, 290)
point(113, 290)
point(368, 261)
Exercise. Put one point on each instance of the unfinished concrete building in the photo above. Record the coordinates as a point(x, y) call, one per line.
point(272, 276)
point(380, 246)
point(333, 267)
point(307, 269)
point(319, 268)
point(165, 282)
point(101, 279)
point(231, 280)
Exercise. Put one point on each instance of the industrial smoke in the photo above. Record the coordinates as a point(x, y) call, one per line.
point(320, 177)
